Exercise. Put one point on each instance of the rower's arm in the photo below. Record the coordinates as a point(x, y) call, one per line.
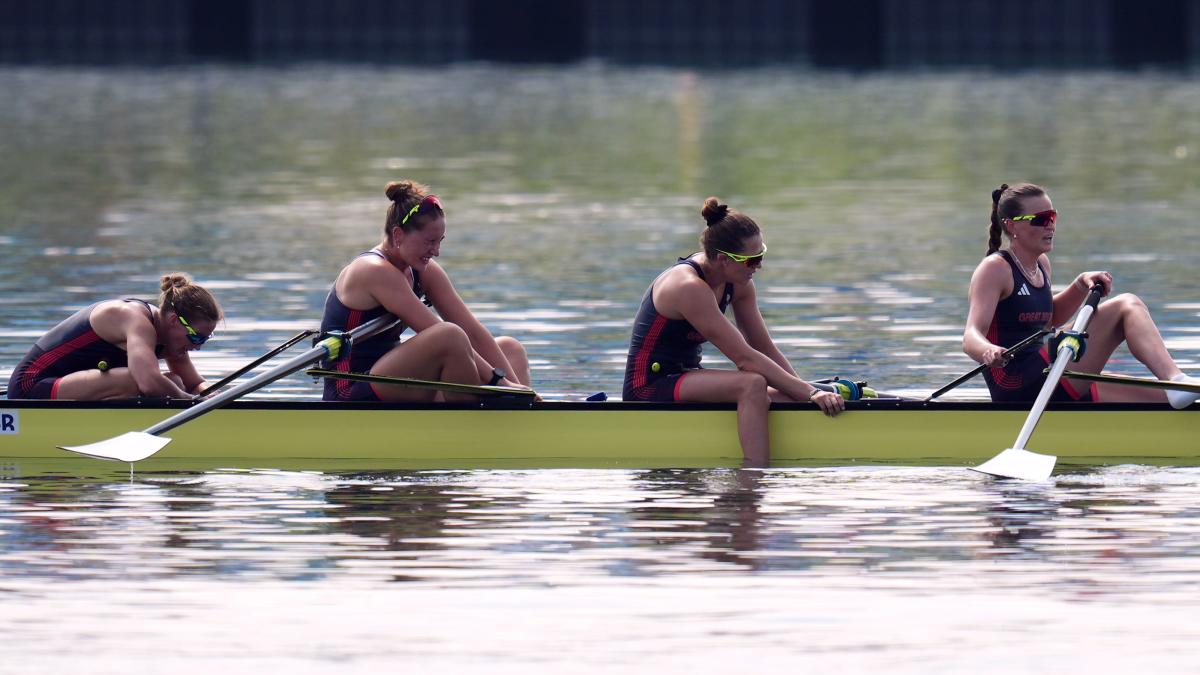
point(452, 308)
point(1071, 298)
point(754, 328)
point(182, 366)
point(693, 299)
point(140, 341)
point(390, 287)
point(990, 283)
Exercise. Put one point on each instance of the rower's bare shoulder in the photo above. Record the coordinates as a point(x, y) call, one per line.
point(115, 320)
point(113, 312)
point(992, 268)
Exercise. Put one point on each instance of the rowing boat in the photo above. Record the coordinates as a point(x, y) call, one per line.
point(498, 432)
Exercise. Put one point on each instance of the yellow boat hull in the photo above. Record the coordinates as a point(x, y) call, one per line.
point(320, 436)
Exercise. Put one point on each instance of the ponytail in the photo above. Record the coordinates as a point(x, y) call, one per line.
point(994, 229)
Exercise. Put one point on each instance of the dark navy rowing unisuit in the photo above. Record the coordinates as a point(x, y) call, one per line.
point(69, 347)
point(662, 350)
point(1028, 310)
point(360, 357)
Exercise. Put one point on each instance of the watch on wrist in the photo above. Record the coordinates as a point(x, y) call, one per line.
point(497, 375)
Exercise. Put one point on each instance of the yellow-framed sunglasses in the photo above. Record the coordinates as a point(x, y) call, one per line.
point(751, 260)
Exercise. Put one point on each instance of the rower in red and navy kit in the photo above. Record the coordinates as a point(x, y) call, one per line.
point(661, 350)
point(685, 307)
point(111, 349)
point(401, 277)
point(1010, 299)
point(1026, 311)
point(359, 357)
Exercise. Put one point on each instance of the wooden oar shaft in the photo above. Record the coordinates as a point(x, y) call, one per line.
point(320, 351)
point(1066, 353)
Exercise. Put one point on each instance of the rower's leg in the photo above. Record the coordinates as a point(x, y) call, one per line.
point(97, 385)
point(1125, 318)
point(749, 390)
point(514, 351)
point(441, 352)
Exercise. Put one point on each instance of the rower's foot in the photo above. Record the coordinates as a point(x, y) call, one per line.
point(1182, 399)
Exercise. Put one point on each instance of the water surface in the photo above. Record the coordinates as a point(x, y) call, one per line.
point(567, 191)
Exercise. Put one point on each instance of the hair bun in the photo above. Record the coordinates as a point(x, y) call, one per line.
point(998, 193)
point(173, 280)
point(399, 191)
point(714, 211)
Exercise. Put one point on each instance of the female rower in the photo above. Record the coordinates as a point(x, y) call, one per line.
point(111, 349)
point(1010, 299)
point(684, 307)
point(401, 277)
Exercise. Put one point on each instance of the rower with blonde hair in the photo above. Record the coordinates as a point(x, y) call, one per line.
point(111, 349)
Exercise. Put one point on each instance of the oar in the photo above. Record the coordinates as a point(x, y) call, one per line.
point(1008, 353)
point(255, 363)
point(133, 446)
point(1134, 381)
point(454, 387)
point(1017, 462)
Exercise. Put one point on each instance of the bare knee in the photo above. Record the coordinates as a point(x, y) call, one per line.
point(449, 338)
point(511, 346)
point(1128, 302)
point(752, 389)
point(513, 350)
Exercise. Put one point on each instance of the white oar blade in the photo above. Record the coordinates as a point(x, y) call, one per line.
point(132, 446)
point(1018, 463)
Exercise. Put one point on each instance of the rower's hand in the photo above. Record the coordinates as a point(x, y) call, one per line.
point(1088, 279)
point(829, 402)
point(993, 357)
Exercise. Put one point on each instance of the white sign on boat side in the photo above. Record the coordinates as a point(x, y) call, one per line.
point(9, 423)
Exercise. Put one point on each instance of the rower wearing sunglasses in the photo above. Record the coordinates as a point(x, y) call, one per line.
point(1010, 299)
point(111, 349)
point(684, 308)
point(401, 277)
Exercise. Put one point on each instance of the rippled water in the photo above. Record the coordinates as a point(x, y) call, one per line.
point(567, 191)
point(912, 570)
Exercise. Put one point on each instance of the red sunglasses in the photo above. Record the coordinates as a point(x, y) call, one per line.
point(430, 200)
point(1039, 219)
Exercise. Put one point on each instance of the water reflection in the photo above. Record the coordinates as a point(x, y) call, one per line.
point(554, 526)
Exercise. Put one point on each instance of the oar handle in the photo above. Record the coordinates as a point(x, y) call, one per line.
point(1093, 298)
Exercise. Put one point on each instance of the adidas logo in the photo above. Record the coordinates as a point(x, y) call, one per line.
point(1024, 289)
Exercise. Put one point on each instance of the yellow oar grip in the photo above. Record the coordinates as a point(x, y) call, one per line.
point(333, 347)
point(1072, 342)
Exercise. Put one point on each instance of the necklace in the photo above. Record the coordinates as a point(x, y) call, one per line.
point(1028, 275)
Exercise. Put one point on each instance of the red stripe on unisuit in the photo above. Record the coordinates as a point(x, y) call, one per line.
point(678, 383)
point(344, 387)
point(30, 376)
point(648, 344)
